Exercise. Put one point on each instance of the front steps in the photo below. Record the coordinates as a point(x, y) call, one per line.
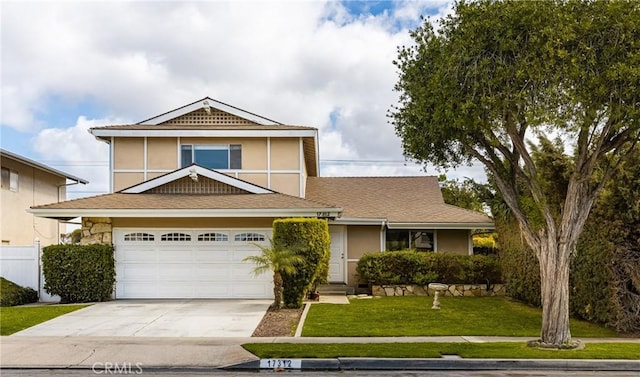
point(335, 289)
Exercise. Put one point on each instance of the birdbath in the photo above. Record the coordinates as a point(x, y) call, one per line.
point(438, 287)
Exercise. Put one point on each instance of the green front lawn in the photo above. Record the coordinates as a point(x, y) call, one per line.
point(504, 350)
point(17, 318)
point(413, 316)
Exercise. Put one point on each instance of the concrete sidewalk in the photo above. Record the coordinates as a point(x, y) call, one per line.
point(214, 353)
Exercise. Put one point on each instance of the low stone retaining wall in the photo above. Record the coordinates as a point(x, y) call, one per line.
point(467, 290)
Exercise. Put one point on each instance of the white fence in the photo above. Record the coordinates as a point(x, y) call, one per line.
point(21, 265)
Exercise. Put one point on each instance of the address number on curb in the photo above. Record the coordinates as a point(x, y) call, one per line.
point(281, 363)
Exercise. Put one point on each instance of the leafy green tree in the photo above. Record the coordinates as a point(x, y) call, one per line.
point(463, 194)
point(277, 260)
point(494, 75)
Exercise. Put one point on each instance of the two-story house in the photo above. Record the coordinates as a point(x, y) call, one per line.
point(27, 183)
point(194, 188)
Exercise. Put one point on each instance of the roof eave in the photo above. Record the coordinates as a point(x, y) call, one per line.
point(104, 133)
point(58, 213)
point(42, 167)
point(433, 225)
point(359, 221)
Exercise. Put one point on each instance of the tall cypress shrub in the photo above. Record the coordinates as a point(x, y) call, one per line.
point(309, 238)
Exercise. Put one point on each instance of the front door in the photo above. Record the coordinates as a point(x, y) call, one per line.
point(336, 262)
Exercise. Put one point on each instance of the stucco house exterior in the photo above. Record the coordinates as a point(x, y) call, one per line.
point(26, 183)
point(192, 190)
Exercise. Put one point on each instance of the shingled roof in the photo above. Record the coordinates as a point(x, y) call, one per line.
point(400, 200)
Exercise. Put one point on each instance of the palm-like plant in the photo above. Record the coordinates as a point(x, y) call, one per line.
point(276, 259)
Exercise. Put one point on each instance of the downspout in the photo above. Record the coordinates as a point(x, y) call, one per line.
point(383, 236)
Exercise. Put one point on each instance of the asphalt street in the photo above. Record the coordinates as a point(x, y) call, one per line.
point(219, 373)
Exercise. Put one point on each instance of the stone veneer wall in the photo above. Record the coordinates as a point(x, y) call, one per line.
point(468, 290)
point(96, 230)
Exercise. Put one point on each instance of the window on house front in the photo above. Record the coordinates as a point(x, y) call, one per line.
point(215, 237)
point(212, 156)
point(9, 179)
point(175, 237)
point(248, 237)
point(138, 237)
point(402, 239)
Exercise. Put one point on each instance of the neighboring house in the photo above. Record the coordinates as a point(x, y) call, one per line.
point(194, 188)
point(27, 183)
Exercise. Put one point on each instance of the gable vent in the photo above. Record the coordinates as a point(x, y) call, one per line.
point(213, 117)
point(204, 185)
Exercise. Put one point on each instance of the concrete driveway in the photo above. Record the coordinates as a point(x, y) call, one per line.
point(158, 318)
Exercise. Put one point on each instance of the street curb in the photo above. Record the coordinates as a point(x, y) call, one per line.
point(349, 363)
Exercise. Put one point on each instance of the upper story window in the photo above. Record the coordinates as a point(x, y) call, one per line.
point(9, 179)
point(212, 156)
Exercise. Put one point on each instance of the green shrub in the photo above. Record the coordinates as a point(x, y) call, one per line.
point(397, 267)
point(309, 238)
point(79, 273)
point(518, 263)
point(12, 294)
point(411, 267)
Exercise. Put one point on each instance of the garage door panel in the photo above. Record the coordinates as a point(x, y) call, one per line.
point(199, 268)
point(241, 253)
point(141, 253)
point(136, 271)
point(138, 289)
point(249, 289)
point(212, 272)
point(175, 256)
point(212, 255)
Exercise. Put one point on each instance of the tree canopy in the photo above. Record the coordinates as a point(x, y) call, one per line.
point(495, 78)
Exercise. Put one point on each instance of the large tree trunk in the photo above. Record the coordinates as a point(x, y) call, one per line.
point(554, 278)
point(277, 290)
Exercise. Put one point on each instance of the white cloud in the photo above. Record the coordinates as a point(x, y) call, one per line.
point(75, 151)
point(296, 62)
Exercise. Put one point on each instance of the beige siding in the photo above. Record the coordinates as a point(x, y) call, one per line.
point(285, 154)
point(128, 153)
point(162, 153)
point(154, 175)
point(254, 154)
point(124, 180)
point(362, 239)
point(286, 183)
point(454, 241)
point(259, 179)
point(35, 187)
point(192, 222)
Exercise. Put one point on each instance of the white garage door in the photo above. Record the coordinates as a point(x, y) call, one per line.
point(189, 263)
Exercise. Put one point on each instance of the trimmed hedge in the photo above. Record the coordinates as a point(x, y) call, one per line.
point(411, 267)
point(309, 238)
point(12, 294)
point(79, 273)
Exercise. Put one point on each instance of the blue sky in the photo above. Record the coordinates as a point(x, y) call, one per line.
point(76, 65)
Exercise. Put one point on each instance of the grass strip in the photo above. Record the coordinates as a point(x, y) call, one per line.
point(497, 350)
point(14, 319)
point(413, 316)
